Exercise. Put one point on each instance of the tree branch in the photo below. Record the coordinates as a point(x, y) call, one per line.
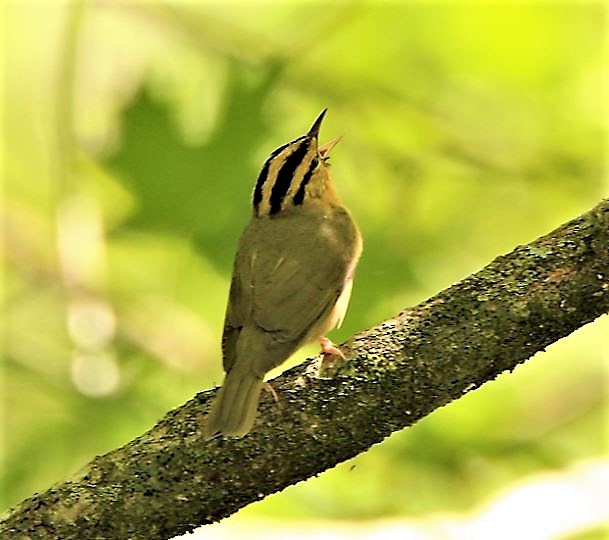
point(169, 480)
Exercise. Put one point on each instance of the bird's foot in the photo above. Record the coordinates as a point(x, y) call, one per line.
point(328, 349)
point(267, 386)
point(332, 359)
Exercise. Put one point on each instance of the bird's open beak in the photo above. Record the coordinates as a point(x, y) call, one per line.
point(324, 150)
point(314, 131)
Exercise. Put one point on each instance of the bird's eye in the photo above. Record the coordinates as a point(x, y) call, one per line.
point(315, 162)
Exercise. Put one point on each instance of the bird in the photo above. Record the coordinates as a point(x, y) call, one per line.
point(292, 276)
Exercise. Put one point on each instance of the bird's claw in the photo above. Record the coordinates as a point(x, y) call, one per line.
point(329, 349)
point(267, 386)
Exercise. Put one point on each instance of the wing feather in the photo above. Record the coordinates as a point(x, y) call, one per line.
point(288, 275)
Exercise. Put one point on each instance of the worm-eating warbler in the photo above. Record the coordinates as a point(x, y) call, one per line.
point(292, 276)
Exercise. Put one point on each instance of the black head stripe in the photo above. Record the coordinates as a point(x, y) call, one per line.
point(261, 180)
point(285, 175)
point(278, 151)
point(299, 195)
point(262, 177)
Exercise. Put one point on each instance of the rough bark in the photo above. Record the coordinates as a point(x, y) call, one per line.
point(169, 480)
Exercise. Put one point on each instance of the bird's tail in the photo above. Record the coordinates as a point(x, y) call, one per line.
point(233, 411)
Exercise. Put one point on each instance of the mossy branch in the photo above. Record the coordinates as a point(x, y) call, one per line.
point(169, 480)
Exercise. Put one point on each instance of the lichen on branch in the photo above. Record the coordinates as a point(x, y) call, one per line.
point(170, 480)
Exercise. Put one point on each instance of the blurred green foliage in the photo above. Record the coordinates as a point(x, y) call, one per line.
point(133, 135)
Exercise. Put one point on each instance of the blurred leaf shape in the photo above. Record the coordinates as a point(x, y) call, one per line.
point(199, 192)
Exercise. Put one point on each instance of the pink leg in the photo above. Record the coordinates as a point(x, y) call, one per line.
point(267, 386)
point(329, 349)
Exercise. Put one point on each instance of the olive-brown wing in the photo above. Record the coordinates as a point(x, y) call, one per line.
point(288, 275)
